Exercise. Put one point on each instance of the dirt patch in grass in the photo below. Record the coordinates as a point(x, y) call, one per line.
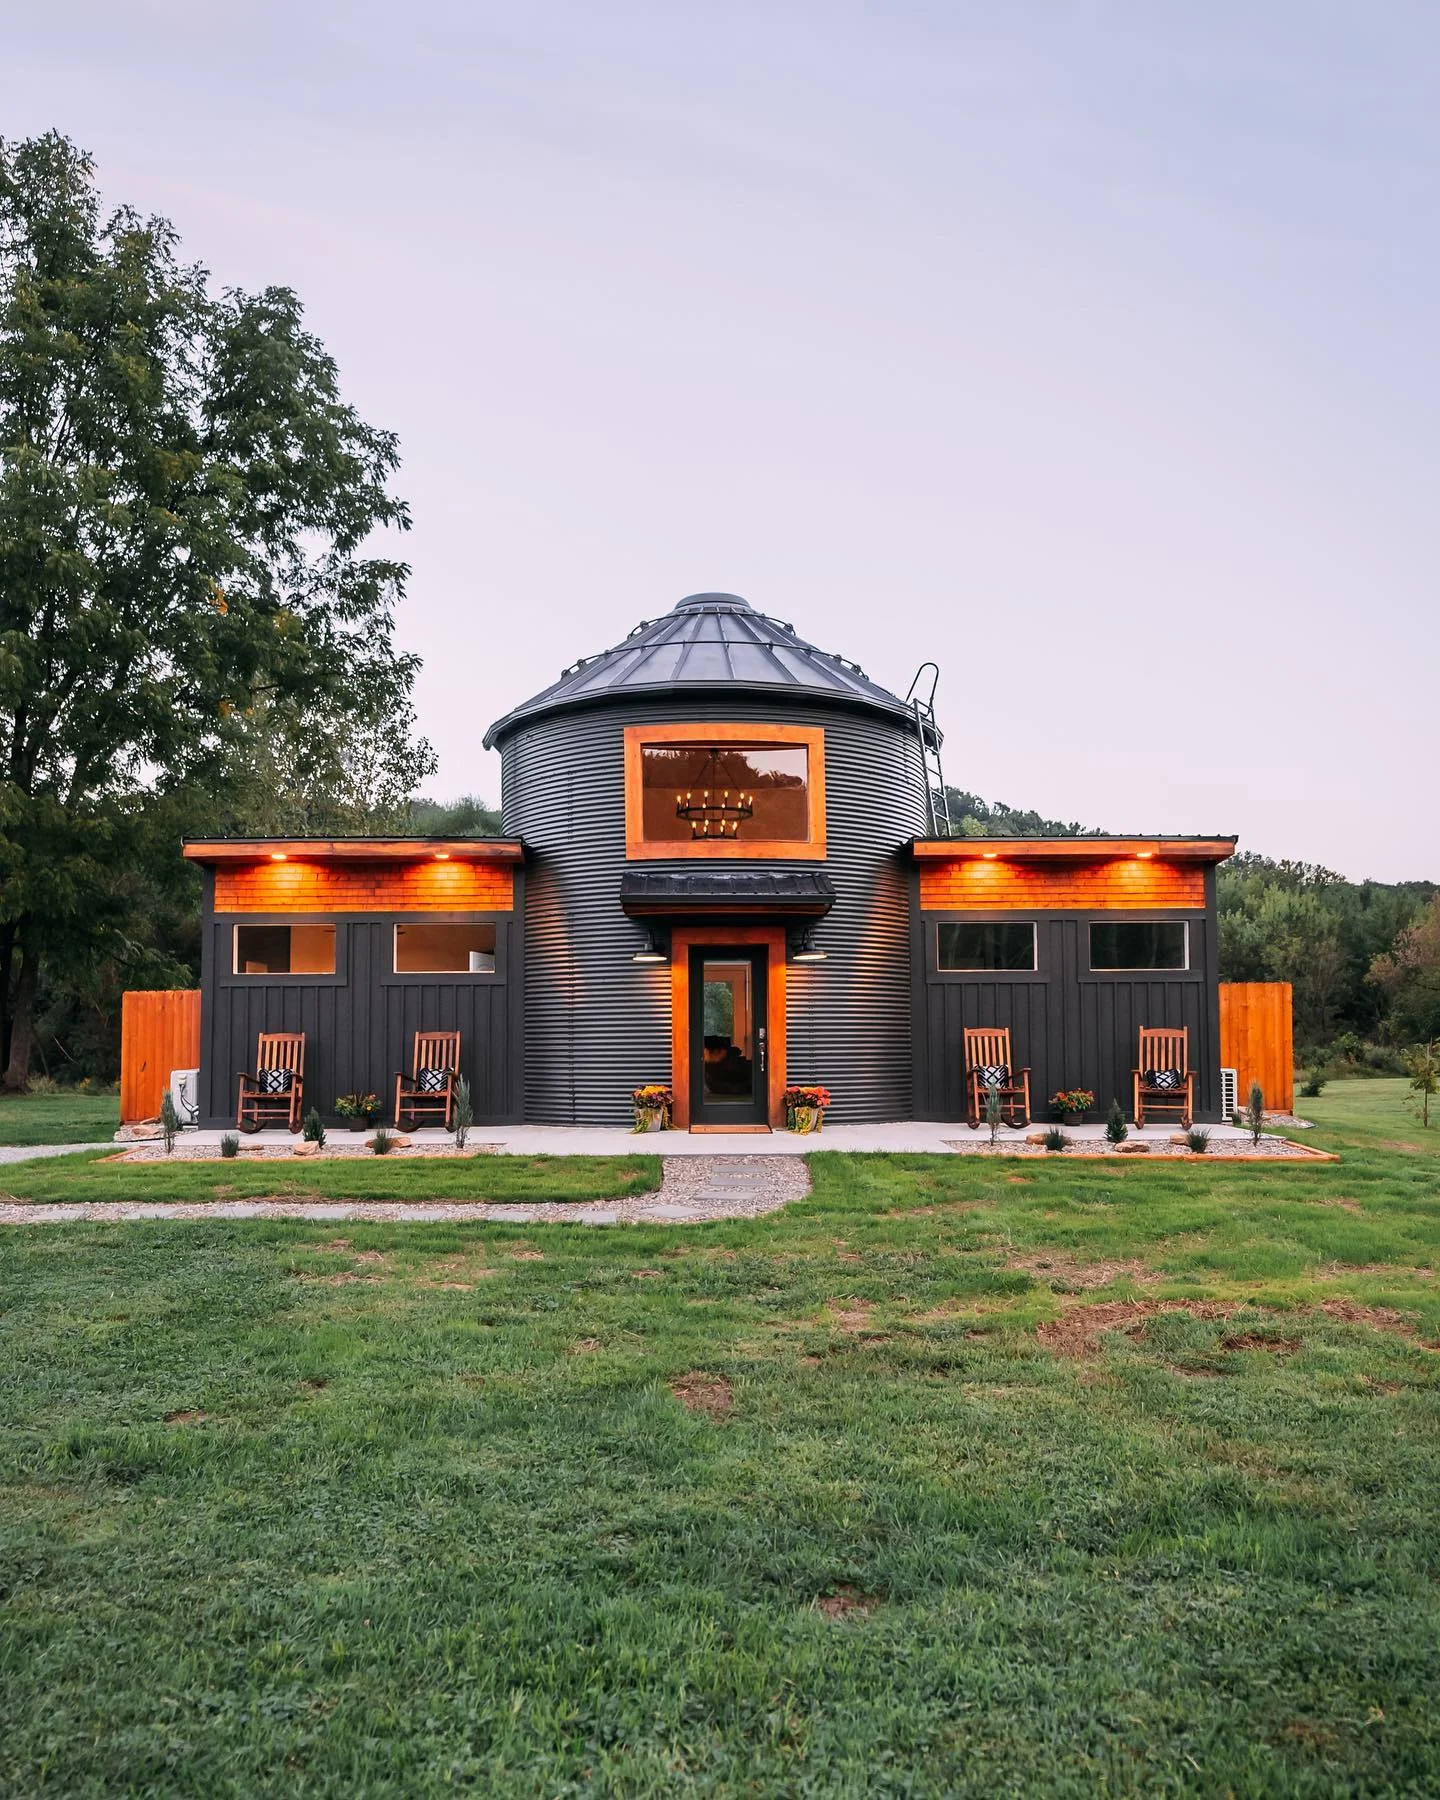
point(846, 1601)
point(710, 1394)
point(1256, 1340)
point(314, 1383)
point(1069, 1275)
point(646, 1274)
point(1078, 1330)
point(188, 1418)
point(850, 1316)
point(585, 1346)
point(527, 1256)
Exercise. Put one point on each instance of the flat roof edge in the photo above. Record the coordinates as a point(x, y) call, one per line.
point(1074, 849)
point(353, 849)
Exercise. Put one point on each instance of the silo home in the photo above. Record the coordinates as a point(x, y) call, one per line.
point(722, 872)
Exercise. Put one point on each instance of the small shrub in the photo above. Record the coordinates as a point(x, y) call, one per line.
point(42, 1084)
point(464, 1114)
point(1115, 1127)
point(169, 1121)
point(1314, 1084)
point(229, 1144)
point(1055, 1139)
point(1198, 1139)
point(1254, 1114)
point(383, 1142)
point(314, 1129)
point(1422, 1064)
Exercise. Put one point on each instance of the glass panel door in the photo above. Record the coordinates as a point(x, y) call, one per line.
point(727, 1036)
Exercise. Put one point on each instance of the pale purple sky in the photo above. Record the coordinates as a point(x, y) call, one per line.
point(1089, 349)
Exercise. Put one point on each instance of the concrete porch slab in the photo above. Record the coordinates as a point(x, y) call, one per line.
point(926, 1137)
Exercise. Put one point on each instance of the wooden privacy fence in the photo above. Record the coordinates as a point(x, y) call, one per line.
point(159, 1031)
point(1256, 1039)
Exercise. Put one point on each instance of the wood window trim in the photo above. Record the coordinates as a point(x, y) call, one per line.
point(809, 849)
point(682, 940)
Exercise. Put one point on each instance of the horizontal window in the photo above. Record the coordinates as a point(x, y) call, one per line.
point(284, 950)
point(1148, 944)
point(985, 944)
point(445, 948)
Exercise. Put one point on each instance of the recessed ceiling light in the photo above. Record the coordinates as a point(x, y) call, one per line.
point(277, 856)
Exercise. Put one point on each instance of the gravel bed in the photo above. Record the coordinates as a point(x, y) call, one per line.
point(1268, 1148)
point(153, 1150)
point(694, 1189)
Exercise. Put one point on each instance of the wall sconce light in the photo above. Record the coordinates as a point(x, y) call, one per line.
point(807, 951)
point(651, 952)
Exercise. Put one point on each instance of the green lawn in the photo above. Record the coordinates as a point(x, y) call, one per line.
point(380, 1510)
point(68, 1117)
point(91, 1175)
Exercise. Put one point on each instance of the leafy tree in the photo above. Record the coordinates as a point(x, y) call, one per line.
point(1298, 922)
point(1423, 1066)
point(970, 816)
point(186, 512)
point(465, 817)
point(1409, 972)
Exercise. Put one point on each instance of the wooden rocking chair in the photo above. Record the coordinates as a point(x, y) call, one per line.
point(429, 1088)
point(260, 1103)
point(985, 1049)
point(1164, 1080)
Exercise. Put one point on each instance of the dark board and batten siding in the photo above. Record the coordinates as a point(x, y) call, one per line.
point(597, 1023)
point(1072, 1026)
point(360, 1024)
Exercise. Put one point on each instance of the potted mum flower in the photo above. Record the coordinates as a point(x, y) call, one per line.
point(358, 1110)
point(805, 1107)
point(653, 1102)
point(1072, 1104)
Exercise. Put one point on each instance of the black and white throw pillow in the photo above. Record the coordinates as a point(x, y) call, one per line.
point(1164, 1080)
point(431, 1081)
point(995, 1075)
point(275, 1081)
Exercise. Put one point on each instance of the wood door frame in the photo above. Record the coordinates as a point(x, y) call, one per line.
point(683, 939)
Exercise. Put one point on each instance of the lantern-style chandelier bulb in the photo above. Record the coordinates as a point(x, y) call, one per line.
point(712, 817)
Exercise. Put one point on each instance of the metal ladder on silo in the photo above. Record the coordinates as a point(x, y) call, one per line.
point(921, 701)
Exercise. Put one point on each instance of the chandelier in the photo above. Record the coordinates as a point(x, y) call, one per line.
point(714, 812)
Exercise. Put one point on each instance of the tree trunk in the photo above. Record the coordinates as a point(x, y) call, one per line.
point(22, 1025)
point(7, 947)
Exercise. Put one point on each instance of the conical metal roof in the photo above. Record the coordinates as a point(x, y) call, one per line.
point(714, 643)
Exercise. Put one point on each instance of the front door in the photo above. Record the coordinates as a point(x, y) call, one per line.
point(728, 1050)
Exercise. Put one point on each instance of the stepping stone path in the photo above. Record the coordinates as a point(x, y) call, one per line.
point(694, 1189)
